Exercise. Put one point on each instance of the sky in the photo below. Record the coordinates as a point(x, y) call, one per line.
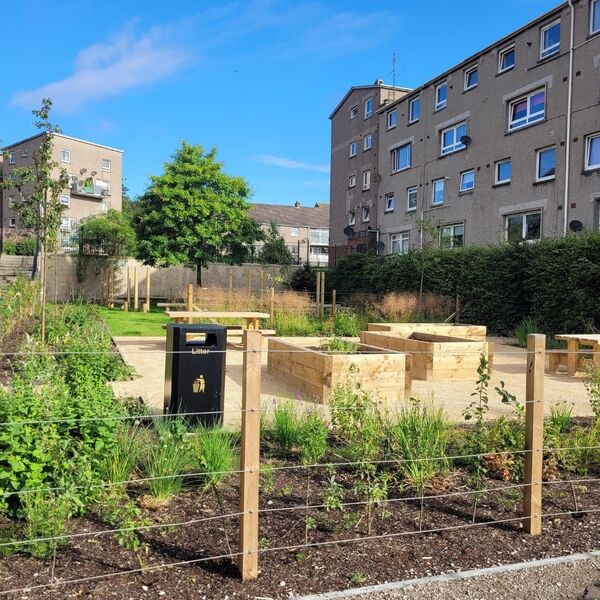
point(257, 79)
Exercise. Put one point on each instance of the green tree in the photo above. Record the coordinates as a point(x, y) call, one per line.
point(194, 213)
point(274, 250)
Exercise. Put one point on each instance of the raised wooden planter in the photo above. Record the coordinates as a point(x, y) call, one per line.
point(315, 372)
point(466, 332)
point(435, 357)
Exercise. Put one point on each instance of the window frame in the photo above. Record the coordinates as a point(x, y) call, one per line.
point(528, 118)
point(389, 115)
point(366, 185)
point(64, 152)
point(593, 5)
point(551, 50)
point(441, 105)
point(368, 108)
point(497, 180)
point(398, 152)
point(12, 157)
point(457, 146)
point(415, 189)
point(351, 181)
point(351, 218)
point(501, 54)
point(472, 69)
point(354, 112)
point(67, 203)
point(366, 214)
point(433, 190)
point(411, 103)
point(452, 227)
point(390, 207)
point(402, 236)
point(368, 136)
point(462, 176)
point(109, 163)
point(588, 152)
point(353, 149)
point(524, 224)
point(538, 155)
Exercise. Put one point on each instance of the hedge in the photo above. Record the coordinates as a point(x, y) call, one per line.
point(556, 282)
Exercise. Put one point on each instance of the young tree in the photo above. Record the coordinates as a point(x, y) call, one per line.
point(38, 201)
point(194, 213)
point(274, 250)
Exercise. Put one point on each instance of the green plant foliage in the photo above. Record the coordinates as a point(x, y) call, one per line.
point(274, 250)
point(213, 451)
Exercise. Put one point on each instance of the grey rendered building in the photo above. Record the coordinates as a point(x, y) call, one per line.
point(506, 145)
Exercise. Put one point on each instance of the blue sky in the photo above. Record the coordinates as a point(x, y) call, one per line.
point(256, 78)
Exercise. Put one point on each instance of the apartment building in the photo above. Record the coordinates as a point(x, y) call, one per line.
point(95, 182)
point(304, 229)
point(504, 146)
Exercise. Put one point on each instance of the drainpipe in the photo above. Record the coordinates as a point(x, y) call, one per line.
point(569, 118)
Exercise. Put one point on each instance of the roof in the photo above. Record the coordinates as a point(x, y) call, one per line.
point(67, 137)
point(291, 216)
point(375, 85)
point(501, 42)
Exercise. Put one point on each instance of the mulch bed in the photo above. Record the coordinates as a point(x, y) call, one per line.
point(296, 570)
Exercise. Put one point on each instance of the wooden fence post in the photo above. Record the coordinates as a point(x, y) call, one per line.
point(147, 303)
point(136, 289)
point(534, 434)
point(333, 302)
point(272, 305)
point(250, 455)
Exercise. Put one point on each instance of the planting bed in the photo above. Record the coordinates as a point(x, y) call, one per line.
point(467, 332)
point(316, 372)
point(435, 357)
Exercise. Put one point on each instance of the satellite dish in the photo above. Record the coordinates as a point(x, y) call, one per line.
point(348, 231)
point(465, 140)
point(576, 226)
point(380, 246)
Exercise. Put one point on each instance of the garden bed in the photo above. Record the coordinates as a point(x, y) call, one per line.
point(316, 372)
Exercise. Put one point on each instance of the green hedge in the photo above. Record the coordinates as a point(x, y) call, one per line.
point(555, 282)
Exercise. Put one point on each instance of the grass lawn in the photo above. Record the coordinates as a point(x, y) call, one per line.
point(133, 323)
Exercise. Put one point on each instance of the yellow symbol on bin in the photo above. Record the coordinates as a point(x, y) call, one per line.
point(199, 385)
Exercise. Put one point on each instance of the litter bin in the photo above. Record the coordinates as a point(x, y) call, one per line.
point(195, 372)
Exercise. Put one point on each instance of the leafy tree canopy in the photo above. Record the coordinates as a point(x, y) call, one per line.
point(274, 250)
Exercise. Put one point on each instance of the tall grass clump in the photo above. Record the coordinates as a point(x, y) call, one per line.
point(213, 450)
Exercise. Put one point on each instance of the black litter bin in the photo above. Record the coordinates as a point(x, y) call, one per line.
point(195, 372)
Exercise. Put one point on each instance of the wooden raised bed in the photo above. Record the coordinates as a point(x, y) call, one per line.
point(316, 372)
point(435, 357)
point(466, 332)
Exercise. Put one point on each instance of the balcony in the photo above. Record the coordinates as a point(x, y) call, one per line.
point(90, 190)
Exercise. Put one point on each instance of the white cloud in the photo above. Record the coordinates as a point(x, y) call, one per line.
point(288, 163)
point(124, 61)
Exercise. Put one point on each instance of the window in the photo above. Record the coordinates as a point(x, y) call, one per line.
point(550, 40)
point(414, 110)
point(65, 200)
point(503, 171)
point(439, 188)
point(366, 180)
point(528, 110)
point(411, 199)
point(545, 164)
point(352, 217)
point(106, 165)
point(506, 59)
point(392, 119)
point(401, 158)
point(524, 227)
point(353, 149)
point(368, 108)
point(471, 78)
point(390, 203)
point(12, 222)
point(592, 152)
point(451, 138)
point(595, 16)
point(441, 96)
point(452, 236)
point(467, 181)
point(368, 142)
point(352, 181)
point(12, 158)
point(65, 156)
point(294, 232)
point(354, 112)
point(366, 214)
point(400, 243)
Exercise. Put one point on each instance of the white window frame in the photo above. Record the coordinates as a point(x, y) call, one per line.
point(439, 105)
point(351, 181)
point(352, 217)
point(353, 149)
point(294, 232)
point(108, 167)
point(441, 180)
point(65, 156)
point(366, 214)
point(551, 50)
point(12, 158)
point(588, 152)
point(354, 112)
point(474, 68)
point(524, 226)
point(366, 180)
point(12, 222)
point(369, 138)
point(497, 180)
point(502, 54)
point(462, 187)
point(593, 5)
point(390, 203)
point(62, 199)
point(538, 155)
point(400, 238)
point(369, 108)
point(452, 227)
point(391, 125)
point(457, 145)
point(396, 154)
point(409, 192)
point(411, 118)
point(529, 118)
